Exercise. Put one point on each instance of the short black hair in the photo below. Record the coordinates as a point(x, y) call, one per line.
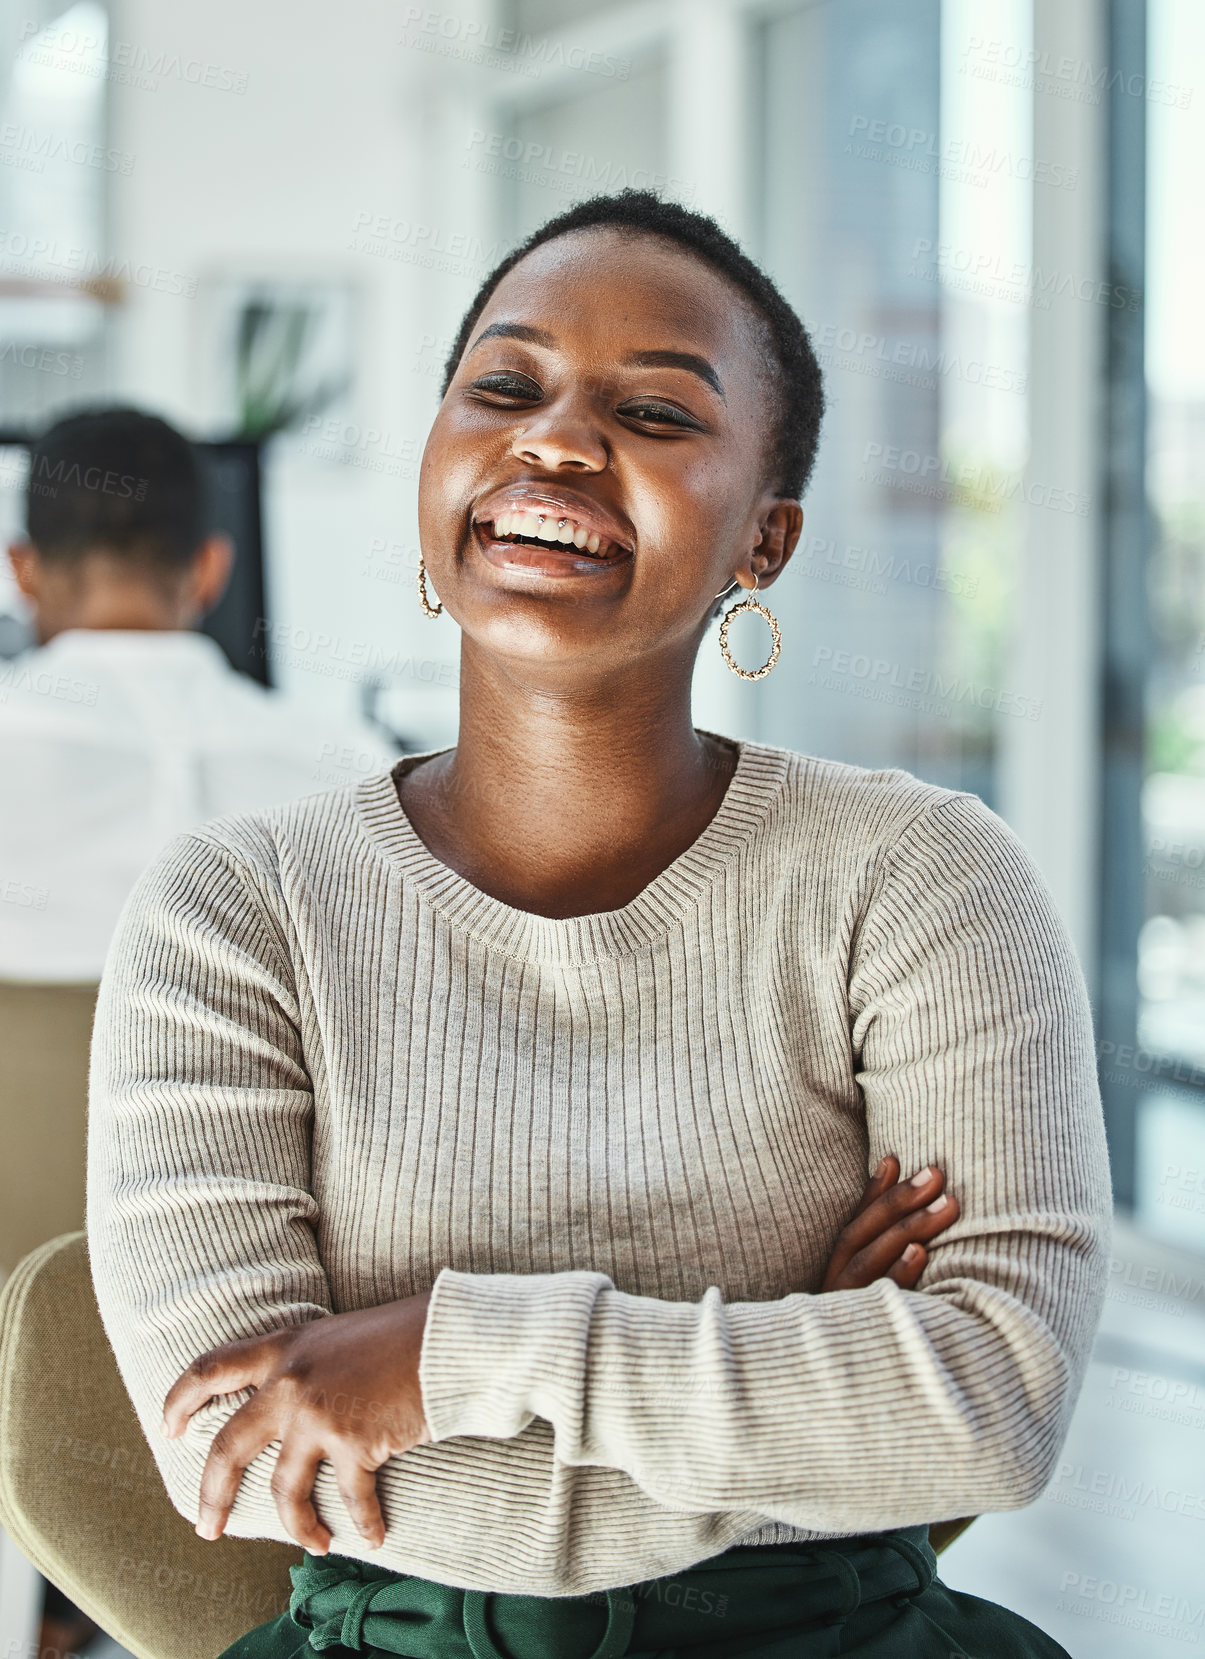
point(119, 481)
point(796, 370)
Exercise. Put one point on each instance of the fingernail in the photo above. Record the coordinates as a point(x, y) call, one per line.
point(925, 1174)
point(911, 1253)
point(882, 1166)
point(937, 1204)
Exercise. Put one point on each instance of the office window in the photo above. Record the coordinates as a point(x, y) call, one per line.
point(890, 180)
point(599, 134)
point(1171, 957)
point(54, 164)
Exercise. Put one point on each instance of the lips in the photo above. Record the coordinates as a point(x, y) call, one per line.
point(555, 519)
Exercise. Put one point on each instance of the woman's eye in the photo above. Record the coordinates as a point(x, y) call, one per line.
point(663, 414)
point(507, 385)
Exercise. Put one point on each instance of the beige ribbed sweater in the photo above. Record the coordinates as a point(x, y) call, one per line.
point(328, 1072)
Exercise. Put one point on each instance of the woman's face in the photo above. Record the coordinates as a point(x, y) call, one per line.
point(612, 397)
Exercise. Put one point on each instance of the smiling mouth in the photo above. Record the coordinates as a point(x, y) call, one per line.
point(555, 531)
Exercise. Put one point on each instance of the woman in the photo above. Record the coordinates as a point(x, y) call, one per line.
point(548, 1069)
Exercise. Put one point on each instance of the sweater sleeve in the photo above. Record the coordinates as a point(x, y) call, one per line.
point(200, 1214)
point(850, 1412)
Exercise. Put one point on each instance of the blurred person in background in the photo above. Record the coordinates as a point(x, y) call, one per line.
point(124, 725)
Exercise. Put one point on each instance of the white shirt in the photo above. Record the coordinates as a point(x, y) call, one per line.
point(111, 742)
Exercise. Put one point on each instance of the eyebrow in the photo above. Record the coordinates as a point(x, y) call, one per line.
point(688, 360)
point(515, 331)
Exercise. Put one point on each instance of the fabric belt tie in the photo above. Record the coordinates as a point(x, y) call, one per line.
point(335, 1608)
point(356, 1607)
point(339, 1612)
point(851, 1585)
point(922, 1561)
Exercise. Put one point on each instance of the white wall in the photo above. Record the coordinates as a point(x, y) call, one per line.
point(331, 132)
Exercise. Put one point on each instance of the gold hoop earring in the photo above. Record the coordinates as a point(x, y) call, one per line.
point(428, 610)
point(750, 604)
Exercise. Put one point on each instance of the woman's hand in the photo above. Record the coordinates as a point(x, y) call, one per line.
point(887, 1236)
point(344, 1388)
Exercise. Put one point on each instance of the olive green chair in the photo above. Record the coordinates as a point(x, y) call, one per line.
point(45, 1036)
point(80, 1493)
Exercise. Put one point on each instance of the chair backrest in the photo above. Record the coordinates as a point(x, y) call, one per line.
point(45, 1036)
point(80, 1493)
point(943, 1533)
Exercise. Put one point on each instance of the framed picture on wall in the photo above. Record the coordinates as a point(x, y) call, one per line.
point(275, 354)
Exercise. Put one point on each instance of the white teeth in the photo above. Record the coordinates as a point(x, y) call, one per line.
point(544, 527)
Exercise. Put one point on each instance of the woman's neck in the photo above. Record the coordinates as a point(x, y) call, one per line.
point(566, 803)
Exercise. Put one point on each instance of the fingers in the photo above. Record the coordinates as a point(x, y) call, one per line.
point(875, 1259)
point(358, 1489)
point(221, 1371)
point(236, 1444)
point(884, 1177)
point(907, 1271)
point(240, 1441)
point(877, 1212)
point(900, 1199)
point(293, 1489)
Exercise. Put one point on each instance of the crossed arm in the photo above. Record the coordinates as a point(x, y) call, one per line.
point(347, 1389)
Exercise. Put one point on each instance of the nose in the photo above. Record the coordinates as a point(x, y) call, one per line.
point(562, 435)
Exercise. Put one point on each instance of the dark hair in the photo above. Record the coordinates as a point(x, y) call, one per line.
point(119, 481)
point(801, 394)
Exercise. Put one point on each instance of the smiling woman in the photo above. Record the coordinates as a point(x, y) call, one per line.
point(478, 1154)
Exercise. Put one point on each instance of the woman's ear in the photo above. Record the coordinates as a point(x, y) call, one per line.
point(779, 529)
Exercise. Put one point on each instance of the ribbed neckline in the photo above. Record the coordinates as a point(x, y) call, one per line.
point(577, 940)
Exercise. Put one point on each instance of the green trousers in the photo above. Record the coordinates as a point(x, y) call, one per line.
point(876, 1597)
